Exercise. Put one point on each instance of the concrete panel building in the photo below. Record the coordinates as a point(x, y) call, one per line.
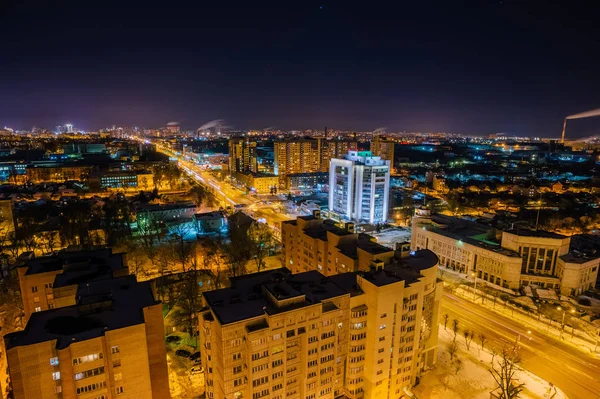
point(280, 335)
point(312, 243)
point(109, 344)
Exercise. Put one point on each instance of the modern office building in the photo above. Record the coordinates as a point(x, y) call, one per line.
point(359, 187)
point(312, 243)
point(383, 148)
point(511, 258)
point(363, 334)
point(108, 344)
point(242, 156)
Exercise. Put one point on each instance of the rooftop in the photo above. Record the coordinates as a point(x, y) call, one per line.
point(209, 215)
point(534, 233)
point(405, 269)
point(247, 297)
point(77, 266)
point(102, 306)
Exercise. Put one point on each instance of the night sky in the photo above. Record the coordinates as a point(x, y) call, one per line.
point(476, 67)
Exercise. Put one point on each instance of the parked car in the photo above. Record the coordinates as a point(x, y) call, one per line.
point(197, 370)
point(182, 353)
point(195, 357)
point(173, 339)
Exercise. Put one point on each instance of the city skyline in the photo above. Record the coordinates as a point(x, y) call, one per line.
point(465, 68)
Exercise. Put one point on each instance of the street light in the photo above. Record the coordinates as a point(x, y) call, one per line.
point(562, 328)
point(475, 286)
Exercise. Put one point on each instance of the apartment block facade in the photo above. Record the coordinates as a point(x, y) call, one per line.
point(242, 156)
point(280, 335)
point(510, 258)
point(109, 344)
point(50, 282)
point(313, 243)
point(307, 156)
point(384, 149)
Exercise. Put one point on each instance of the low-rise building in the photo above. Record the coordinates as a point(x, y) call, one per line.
point(512, 258)
point(259, 183)
point(303, 181)
point(360, 334)
point(312, 243)
point(211, 223)
point(125, 179)
point(168, 213)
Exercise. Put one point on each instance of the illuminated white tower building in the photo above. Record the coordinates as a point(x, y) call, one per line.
point(359, 187)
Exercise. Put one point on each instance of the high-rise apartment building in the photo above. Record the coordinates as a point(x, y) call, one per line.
point(384, 149)
point(49, 282)
point(242, 156)
point(312, 243)
point(360, 334)
point(109, 343)
point(307, 156)
point(511, 258)
point(359, 187)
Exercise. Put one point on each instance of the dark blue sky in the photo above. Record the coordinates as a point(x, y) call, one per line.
point(457, 66)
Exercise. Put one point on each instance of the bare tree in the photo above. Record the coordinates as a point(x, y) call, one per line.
point(458, 366)
point(182, 249)
point(482, 340)
point(261, 243)
point(452, 349)
point(468, 335)
point(446, 316)
point(455, 328)
point(504, 373)
point(445, 382)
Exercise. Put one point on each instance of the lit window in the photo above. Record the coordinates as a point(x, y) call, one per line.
point(54, 361)
point(56, 375)
point(114, 349)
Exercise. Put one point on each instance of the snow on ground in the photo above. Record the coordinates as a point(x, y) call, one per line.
point(182, 383)
point(473, 380)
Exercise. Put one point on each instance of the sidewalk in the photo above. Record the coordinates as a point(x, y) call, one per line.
point(468, 376)
point(571, 336)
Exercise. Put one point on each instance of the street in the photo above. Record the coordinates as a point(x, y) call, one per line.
point(577, 374)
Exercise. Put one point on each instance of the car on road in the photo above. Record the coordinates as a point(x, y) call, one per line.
point(182, 353)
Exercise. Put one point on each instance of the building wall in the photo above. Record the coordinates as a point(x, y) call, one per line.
point(296, 354)
point(576, 278)
point(36, 291)
point(305, 253)
point(454, 254)
point(121, 360)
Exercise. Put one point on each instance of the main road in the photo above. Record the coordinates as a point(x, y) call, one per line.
point(229, 194)
point(577, 374)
